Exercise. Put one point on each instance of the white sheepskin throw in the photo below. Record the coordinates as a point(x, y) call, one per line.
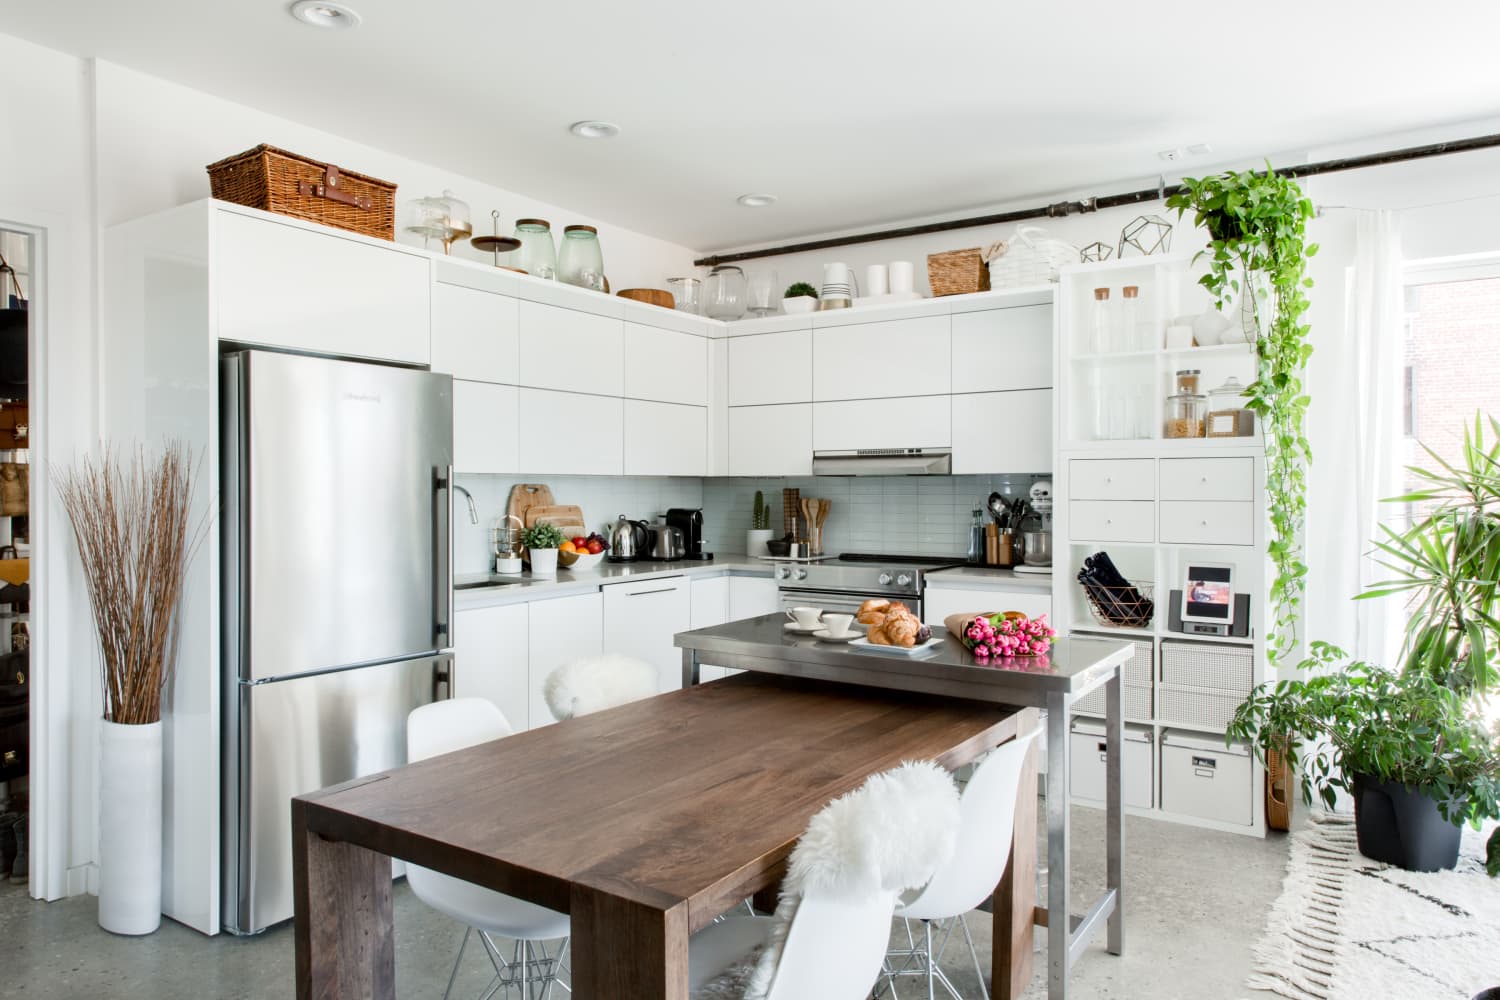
point(595, 683)
point(890, 834)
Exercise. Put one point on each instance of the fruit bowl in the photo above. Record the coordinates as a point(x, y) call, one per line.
point(579, 560)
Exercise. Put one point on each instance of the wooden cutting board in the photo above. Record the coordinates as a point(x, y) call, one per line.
point(568, 518)
point(524, 496)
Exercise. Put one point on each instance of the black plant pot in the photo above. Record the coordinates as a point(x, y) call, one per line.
point(1493, 993)
point(1400, 825)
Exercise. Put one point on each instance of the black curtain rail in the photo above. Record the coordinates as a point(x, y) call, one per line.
point(1086, 205)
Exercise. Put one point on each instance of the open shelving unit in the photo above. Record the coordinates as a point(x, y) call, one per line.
point(1155, 504)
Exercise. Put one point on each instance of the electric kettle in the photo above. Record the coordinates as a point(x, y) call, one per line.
point(628, 540)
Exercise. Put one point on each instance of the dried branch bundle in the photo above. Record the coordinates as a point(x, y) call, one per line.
point(132, 523)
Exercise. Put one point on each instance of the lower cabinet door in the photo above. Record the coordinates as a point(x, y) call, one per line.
point(491, 655)
point(641, 619)
point(561, 629)
point(710, 606)
point(750, 597)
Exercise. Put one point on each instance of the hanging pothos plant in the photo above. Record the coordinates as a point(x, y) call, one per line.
point(1258, 250)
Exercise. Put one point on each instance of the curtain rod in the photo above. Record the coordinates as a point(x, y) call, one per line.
point(1087, 205)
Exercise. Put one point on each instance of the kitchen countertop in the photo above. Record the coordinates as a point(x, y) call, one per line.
point(529, 588)
point(989, 578)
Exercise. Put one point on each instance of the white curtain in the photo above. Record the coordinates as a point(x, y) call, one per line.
point(1356, 387)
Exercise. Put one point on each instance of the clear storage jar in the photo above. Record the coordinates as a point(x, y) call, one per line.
point(1185, 413)
point(581, 262)
point(537, 254)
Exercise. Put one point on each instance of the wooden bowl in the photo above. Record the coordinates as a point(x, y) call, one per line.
point(650, 296)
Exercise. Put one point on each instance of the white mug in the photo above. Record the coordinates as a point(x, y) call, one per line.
point(901, 277)
point(838, 625)
point(875, 280)
point(806, 617)
point(838, 281)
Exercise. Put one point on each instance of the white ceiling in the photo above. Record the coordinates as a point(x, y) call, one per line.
point(854, 114)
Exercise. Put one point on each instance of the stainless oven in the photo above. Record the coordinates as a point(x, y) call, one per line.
point(840, 601)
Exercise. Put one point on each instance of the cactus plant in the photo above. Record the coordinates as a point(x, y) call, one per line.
point(760, 514)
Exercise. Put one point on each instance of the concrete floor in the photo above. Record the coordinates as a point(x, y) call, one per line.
point(1196, 904)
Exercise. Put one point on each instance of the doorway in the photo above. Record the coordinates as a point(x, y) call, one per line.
point(17, 274)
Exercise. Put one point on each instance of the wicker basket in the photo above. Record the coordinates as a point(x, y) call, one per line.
point(1278, 791)
point(1030, 258)
point(274, 180)
point(957, 272)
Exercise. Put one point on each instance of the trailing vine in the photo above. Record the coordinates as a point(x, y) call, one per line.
point(1257, 248)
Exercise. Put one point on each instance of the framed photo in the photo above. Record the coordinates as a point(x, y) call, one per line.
point(1208, 593)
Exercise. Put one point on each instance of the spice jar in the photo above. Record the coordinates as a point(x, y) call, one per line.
point(1227, 414)
point(1185, 412)
point(1187, 381)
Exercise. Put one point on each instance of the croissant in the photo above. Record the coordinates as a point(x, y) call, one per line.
point(902, 629)
point(872, 612)
point(877, 636)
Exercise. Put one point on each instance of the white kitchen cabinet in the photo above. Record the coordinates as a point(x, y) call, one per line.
point(485, 436)
point(665, 366)
point(665, 439)
point(474, 334)
point(570, 434)
point(771, 368)
point(641, 618)
point(572, 350)
point(281, 285)
point(1002, 432)
point(771, 440)
point(561, 630)
point(1003, 349)
point(938, 602)
point(710, 606)
point(912, 422)
point(491, 655)
point(750, 596)
point(904, 357)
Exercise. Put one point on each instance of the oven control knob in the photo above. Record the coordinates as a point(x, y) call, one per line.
point(799, 574)
point(885, 579)
point(904, 580)
point(782, 572)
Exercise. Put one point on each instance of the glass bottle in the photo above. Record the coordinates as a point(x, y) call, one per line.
point(538, 254)
point(581, 262)
point(1128, 336)
point(976, 538)
point(1103, 341)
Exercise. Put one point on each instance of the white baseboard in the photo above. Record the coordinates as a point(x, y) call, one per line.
point(82, 879)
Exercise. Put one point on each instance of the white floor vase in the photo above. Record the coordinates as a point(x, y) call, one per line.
point(130, 779)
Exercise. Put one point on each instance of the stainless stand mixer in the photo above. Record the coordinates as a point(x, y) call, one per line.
point(1038, 559)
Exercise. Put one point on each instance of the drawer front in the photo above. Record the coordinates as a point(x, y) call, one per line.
point(1207, 784)
point(1208, 479)
point(1208, 522)
point(1112, 520)
point(1112, 479)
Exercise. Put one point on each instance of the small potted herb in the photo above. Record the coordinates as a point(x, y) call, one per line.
point(800, 298)
point(541, 541)
point(760, 527)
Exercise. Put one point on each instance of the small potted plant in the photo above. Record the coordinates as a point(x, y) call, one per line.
point(800, 298)
point(542, 540)
point(760, 527)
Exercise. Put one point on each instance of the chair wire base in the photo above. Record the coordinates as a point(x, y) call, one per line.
point(924, 962)
point(529, 973)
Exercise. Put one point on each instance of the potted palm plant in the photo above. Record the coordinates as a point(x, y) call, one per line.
point(1411, 746)
point(136, 535)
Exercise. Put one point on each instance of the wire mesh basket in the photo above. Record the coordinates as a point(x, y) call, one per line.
point(1128, 606)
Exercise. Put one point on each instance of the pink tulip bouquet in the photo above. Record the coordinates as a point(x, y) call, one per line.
point(998, 635)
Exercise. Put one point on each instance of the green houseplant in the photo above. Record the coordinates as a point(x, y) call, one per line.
point(1258, 250)
point(760, 527)
point(800, 298)
point(541, 541)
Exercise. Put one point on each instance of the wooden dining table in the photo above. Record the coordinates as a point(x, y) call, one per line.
point(642, 823)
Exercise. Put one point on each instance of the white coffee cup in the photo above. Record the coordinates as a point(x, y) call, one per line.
point(876, 280)
point(838, 625)
point(900, 277)
point(805, 617)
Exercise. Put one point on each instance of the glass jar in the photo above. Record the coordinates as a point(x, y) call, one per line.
point(1185, 413)
point(725, 296)
point(445, 218)
point(687, 294)
point(1187, 381)
point(538, 254)
point(1227, 414)
point(1127, 313)
point(1101, 322)
point(581, 262)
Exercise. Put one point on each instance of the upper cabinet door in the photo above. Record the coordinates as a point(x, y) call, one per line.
point(904, 357)
point(571, 350)
point(665, 366)
point(771, 440)
point(474, 334)
point(771, 368)
point(1002, 432)
point(568, 434)
point(485, 432)
point(665, 439)
point(285, 286)
point(910, 422)
point(1003, 349)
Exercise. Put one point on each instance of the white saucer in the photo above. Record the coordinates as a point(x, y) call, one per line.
point(804, 629)
point(823, 635)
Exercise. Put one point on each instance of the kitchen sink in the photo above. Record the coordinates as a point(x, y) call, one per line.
point(492, 581)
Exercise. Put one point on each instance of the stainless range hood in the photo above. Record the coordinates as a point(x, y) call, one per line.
point(884, 462)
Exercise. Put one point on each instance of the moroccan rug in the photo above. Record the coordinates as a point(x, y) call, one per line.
point(1348, 928)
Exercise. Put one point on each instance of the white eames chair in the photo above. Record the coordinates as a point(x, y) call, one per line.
point(969, 877)
point(594, 683)
point(444, 727)
point(828, 937)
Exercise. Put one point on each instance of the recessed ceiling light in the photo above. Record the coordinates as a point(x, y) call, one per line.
point(325, 14)
point(594, 129)
point(756, 200)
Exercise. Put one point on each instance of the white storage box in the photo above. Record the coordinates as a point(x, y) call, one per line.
point(1202, 683)
point(1087, 779)
point(1201, 777)
point(1136, 674)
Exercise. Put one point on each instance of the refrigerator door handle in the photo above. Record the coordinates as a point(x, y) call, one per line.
point(442, 557)
point(442, 678)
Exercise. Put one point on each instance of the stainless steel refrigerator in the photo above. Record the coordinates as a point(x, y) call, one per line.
point(337, 598)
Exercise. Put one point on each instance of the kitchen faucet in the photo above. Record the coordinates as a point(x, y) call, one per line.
point(473, 510)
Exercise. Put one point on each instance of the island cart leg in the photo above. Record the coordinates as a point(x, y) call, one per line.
point(344, 929)
point(689, 667)
point(1115, 807)
point(1059, 919)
